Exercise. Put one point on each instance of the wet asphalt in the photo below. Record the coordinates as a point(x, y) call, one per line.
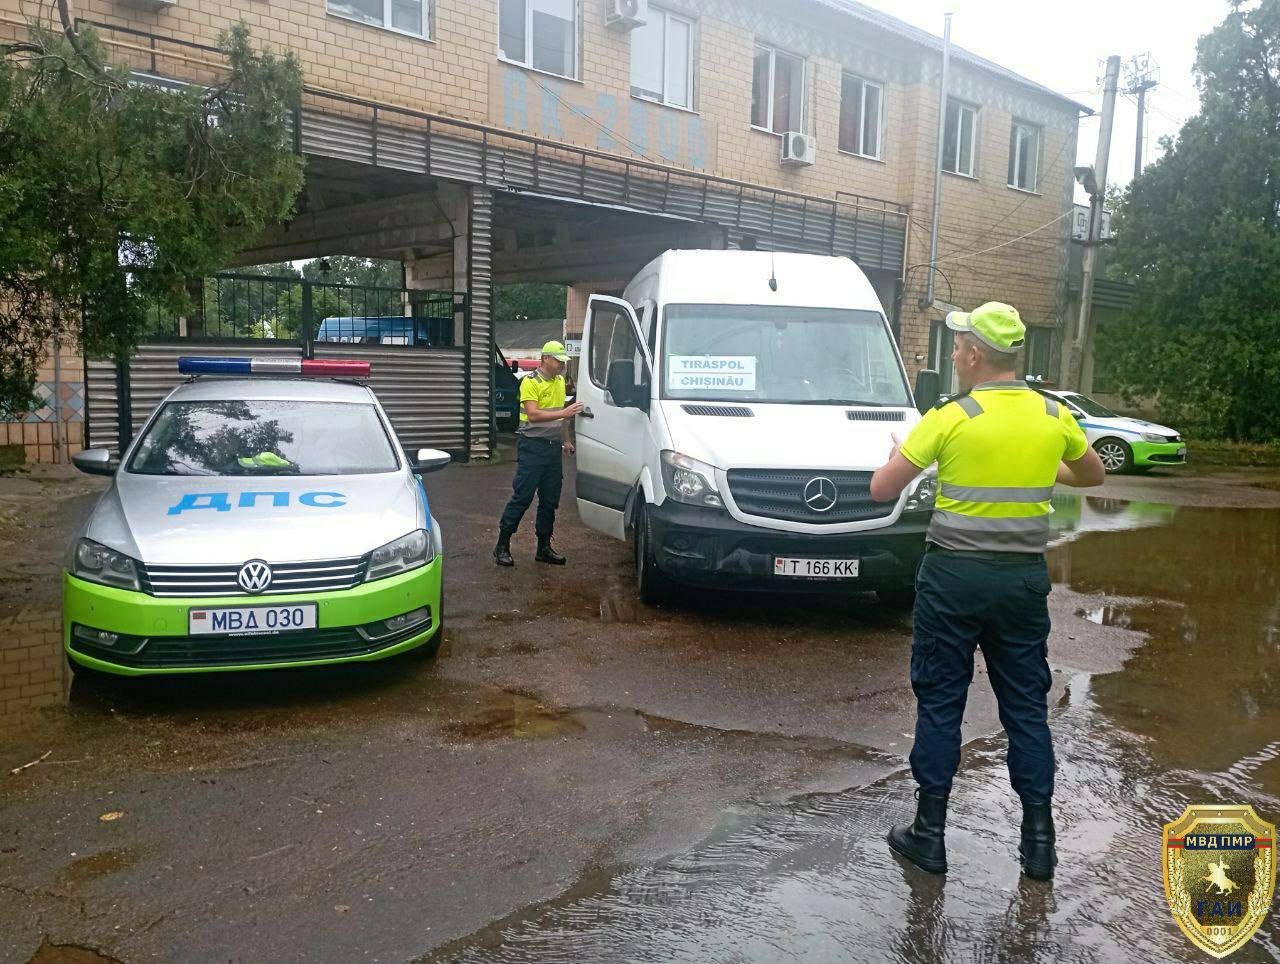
point(579, 778)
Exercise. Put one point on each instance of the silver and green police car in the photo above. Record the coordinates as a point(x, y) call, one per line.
point(265, 516)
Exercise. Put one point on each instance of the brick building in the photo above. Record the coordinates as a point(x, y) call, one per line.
point(483, 141)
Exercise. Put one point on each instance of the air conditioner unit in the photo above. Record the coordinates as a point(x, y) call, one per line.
point(627, 14)
point(798, 149)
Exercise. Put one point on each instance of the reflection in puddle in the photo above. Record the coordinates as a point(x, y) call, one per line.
point(1191, 718)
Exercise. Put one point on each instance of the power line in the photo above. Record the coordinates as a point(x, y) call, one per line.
point(1004, 244)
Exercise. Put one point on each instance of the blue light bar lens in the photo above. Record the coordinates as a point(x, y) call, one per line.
point(191, 365)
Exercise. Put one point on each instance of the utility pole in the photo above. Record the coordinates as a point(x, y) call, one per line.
point(937, 163)
point(1095, 181)
point(1141, 74)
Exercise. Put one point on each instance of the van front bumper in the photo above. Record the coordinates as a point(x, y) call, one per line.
point(709, 547)
point(154, 637)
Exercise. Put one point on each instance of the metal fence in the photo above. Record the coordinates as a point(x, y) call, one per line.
point(255, 307)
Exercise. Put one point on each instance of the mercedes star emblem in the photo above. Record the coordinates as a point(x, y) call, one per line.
point(254, 576)
point(820, 494)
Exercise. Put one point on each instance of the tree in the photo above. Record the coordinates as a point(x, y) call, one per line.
point(529, 300)
point(1199, 233)
point(114, 193)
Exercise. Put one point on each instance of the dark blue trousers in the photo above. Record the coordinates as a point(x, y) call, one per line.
point(540, 472)
point(996, 602)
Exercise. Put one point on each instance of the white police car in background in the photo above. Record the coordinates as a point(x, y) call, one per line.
point(256, 522)
point(1123, 443)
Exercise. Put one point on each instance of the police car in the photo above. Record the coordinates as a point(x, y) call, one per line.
point(1123, 443)
point(256, 522)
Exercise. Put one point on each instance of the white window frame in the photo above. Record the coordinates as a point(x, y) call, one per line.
point(386, 19)
point(773, 76)
point(862, 114)
point(527, 62)
point(667, 16)
point(973, 140)
point(1015, 148)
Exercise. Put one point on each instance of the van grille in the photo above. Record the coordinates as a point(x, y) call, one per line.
point(329, 575)
point(780, 494)
point(729, 411)
point(863, 415)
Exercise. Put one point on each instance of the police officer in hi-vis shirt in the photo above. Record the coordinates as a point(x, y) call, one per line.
point(1000, 446)
point(546, 430)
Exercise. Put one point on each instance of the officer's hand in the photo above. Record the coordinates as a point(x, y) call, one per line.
point(570, 448)
point(572, 410)
point(897, 444)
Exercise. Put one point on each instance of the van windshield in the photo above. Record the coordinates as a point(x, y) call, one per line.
point(766, 353)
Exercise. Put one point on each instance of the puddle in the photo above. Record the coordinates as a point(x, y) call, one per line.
point(86, 869)
point(51, 953)
point(1191, 718)
point(511, 715)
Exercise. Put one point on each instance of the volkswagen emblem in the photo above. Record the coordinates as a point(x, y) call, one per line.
point(254, 576)
point(820, 494)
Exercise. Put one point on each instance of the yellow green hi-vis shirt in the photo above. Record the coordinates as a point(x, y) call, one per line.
point(550, 395)
point(998, 449)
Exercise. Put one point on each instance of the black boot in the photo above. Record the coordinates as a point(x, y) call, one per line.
point(548, 555)
point(1037, 851)
point(921, 841)
point(502, 551)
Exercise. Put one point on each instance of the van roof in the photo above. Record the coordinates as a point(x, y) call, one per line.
point(742, 278)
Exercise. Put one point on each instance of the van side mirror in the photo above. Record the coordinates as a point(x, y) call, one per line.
point(95, 462)
point(515, 367)
point(928, 389)
point(431, 460)
point(621, 383)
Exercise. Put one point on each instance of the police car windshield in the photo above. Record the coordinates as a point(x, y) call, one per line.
point(1090, 407)
point(265, 437)
point(791, 355)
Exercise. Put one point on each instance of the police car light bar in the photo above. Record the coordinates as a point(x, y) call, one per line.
point(203, 365)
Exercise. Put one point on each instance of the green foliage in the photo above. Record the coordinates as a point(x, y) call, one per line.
point(114, 193)
point(531, 300)
point(1199, 232)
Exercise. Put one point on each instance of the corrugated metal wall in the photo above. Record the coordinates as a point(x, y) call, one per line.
point(422, 390)
point(874, 237)
point(480, 329)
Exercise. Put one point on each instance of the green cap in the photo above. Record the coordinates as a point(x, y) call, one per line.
point(995, 324)
point(556, 350)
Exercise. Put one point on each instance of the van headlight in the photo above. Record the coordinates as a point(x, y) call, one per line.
point(94, 562)
point(690, 481)
point(922, 494)
point(408, 552)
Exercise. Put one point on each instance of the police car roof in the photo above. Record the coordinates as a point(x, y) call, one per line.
point(277, 389)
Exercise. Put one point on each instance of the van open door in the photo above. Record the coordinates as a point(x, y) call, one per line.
point(615, 382)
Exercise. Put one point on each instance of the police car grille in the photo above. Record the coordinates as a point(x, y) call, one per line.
point(779, 494)
point(328, 575)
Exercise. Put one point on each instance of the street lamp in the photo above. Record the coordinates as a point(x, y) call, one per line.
point(1088, 180)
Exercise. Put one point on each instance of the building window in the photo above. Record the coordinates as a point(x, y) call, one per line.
point(403, 16)
point(958, 138)
point(861, 116)
point(542, 34)
point(662, 59)
point(1038, 353)
point(777, 91)
point(1024, 156)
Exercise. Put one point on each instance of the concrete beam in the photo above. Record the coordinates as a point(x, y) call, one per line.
point(370, 229)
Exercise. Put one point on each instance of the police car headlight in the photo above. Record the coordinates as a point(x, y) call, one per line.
point(94, 562)
point(1152, 437)
point(690, 481)
point(406, 553)
point(922, 494)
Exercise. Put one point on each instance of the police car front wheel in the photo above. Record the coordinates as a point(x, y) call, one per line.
point(1116, 455)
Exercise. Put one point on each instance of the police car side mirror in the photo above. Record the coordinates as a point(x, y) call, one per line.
point(431, 460)
point(95, 462)
point(1079, 416)
point(928, 389)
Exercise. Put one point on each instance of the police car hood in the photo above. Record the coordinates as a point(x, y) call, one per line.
point(789, 436)
point(1137, 425)
point(190, 520)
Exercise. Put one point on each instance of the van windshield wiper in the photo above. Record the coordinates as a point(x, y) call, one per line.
point(839, 401)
